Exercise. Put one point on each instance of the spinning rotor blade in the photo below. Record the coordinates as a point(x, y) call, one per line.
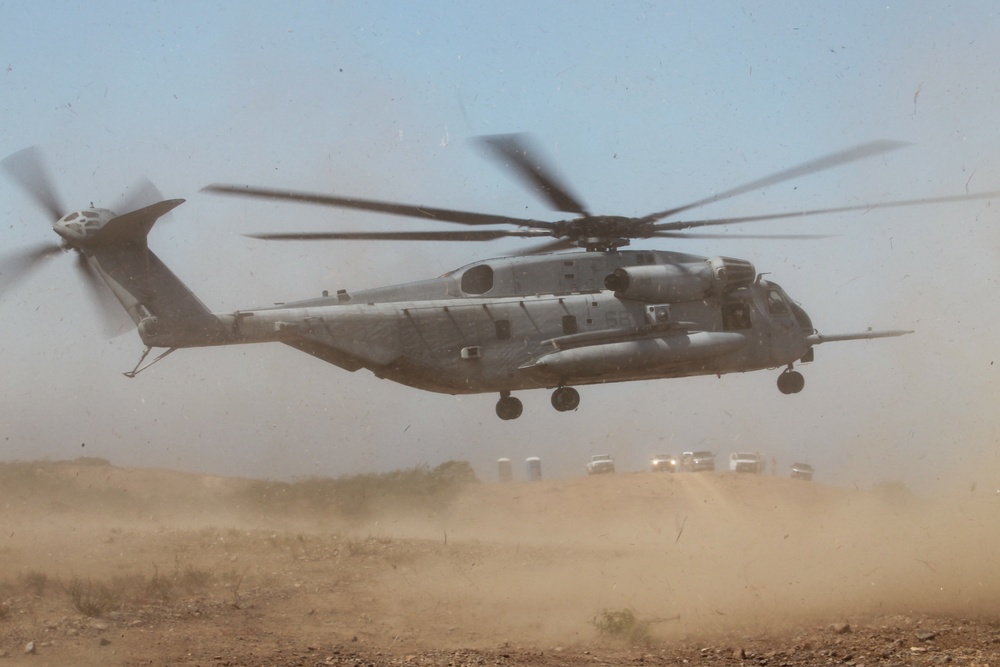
point(551, 246)
point(141, 194)
point(16, 267)
point(114, 320)
point(790, 237)
point(28, 170)
point(472, 235)
point(407, 210)
point(827, 162)
point(532, 170)
point(688, 224)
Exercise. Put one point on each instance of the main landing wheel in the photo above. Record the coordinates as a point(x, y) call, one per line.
point(791, 382)
point(508, 407)
point(565, 399)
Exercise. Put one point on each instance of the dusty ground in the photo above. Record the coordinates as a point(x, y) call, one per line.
point(107, 566)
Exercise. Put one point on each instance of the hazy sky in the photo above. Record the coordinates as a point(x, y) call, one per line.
point(642, 106)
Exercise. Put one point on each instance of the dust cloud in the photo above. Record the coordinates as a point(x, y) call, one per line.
point(479, 564)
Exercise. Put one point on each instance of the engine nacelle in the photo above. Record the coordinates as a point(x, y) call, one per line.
point(676, 283)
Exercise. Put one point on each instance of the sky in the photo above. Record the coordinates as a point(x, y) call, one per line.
point(641, 105)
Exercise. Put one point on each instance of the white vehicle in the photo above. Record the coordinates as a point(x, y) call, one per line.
point(746, 462)
point(805, 471)
point(600, 463)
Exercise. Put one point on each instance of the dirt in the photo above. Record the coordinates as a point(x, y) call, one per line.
point(108, 566)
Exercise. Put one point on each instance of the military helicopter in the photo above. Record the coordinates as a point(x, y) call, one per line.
point(539, 319)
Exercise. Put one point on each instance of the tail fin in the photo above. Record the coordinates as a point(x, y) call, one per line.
point(141, 281)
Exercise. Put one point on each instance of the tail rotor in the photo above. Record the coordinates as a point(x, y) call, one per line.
point(27, 169)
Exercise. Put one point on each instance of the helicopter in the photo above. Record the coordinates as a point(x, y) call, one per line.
point(579, 309)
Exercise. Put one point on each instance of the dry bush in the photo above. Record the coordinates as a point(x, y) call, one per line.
point(26, 483)
point(35, 582)
point(357, 496)
point(193, 580)
point(92, 598)
point(622, 624)
point(96, 598)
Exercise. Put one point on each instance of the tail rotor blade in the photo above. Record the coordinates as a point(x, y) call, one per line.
point(114, 319)
point(142, 193)
point(16, 267)
point(27, 169)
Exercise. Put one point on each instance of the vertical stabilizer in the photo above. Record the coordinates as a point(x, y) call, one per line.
point(141, 281)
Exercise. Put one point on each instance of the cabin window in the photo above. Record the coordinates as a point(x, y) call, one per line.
point(775, 303)
point(569, 324)
point(735, 316)
point(478, 279)
point(503, 329)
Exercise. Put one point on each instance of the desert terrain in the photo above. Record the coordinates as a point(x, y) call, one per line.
point(101, 565)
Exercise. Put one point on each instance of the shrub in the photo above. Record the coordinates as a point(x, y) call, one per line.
point(357, 495)
point(622, 624)
point(92, 599)
point(35, 582)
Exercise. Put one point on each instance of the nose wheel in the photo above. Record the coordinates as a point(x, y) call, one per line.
point(508, 407)
point(791, 382)
point(565, 399)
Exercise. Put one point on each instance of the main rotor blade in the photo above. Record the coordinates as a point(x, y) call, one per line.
point(471, 235)
point(27, 168)
point(407, 210)
point(527, 164)
point(820, 164)
point(18, 266)
point(551, 246)
point(791, 237)
point(709, 222)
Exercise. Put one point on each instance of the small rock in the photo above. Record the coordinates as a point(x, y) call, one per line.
point(841, 628)
point(103, 641)
point(739, 654)
point(29, 648)
point(925, 635)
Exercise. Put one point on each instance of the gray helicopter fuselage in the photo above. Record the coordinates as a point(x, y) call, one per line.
point(526, 322)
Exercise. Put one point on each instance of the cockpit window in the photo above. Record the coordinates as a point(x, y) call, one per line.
point(478, 279)
point(776, 304)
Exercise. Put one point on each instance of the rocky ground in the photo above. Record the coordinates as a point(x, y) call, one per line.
point(107, 566)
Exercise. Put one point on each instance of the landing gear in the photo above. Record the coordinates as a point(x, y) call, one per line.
point(508, 407)
point(791, 382)
point(565, 399)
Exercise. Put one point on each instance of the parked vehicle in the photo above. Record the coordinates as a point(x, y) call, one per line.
point(698, 461)
point(747, 462)
point(663, 463)
point(802, 471)
point(600, 463)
